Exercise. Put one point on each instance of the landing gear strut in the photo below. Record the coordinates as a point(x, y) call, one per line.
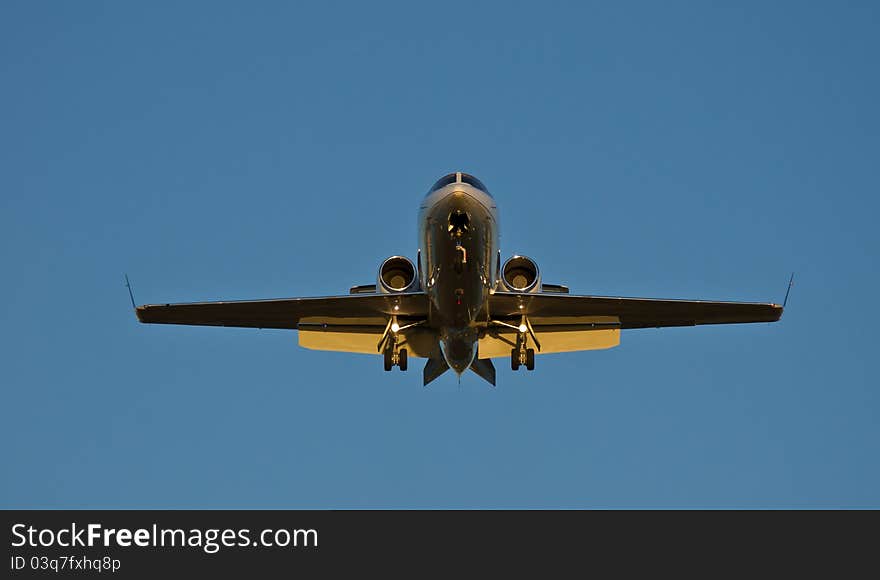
point(521, 354)
point(389, 345)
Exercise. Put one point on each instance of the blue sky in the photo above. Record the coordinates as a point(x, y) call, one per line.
point(257, 150)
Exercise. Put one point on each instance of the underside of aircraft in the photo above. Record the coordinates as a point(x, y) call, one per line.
point(458, 306)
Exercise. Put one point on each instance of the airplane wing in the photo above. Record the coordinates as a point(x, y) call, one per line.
point(564, 323)
point(632, 312)
point(287, 312)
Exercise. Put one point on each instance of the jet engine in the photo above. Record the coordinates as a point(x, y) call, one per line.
point(521, 274)
point(397, 274)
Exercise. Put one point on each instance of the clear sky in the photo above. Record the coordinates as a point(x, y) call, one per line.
point(256, 150)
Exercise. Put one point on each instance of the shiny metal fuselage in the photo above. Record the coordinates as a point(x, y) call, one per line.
point(458, 266)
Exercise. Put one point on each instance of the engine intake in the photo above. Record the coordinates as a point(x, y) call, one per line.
point(397, 274)
point(521, 274)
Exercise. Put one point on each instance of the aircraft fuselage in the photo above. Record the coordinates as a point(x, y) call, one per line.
point(458, 262)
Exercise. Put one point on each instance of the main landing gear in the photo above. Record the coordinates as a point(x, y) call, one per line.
point(522, 356)
point(395, 357)
point(389, 345)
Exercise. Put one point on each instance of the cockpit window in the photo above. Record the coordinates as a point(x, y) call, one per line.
point(443, 182)
point(453, 178)
point(471, 180)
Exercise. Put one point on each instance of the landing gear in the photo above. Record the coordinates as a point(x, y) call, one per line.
point(522, 356)
point(393, 357)
point(389, 344)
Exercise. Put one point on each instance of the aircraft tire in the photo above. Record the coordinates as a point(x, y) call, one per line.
point(514, 360)
point(402, 360)
point(530, 359)
point(388, 362)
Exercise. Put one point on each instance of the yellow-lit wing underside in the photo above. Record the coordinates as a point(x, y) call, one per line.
point(557, 334)
point(359, 335)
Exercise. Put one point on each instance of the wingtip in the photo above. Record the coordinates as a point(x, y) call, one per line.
point(773, 313)
point(139, 312)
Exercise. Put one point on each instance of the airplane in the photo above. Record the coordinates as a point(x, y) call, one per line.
point(458, 306)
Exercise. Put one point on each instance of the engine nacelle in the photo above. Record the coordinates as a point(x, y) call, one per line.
point(521, 274)
point(397, 274)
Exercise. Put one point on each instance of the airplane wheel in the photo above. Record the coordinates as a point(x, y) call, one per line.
point(514, 360)
point(402, 359)
point(530, 359)
point(389, 364)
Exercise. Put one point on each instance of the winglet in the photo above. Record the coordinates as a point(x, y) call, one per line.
point(790, 284)
point(130, 294)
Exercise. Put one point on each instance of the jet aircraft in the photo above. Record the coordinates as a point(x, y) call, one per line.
point(458, 305)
